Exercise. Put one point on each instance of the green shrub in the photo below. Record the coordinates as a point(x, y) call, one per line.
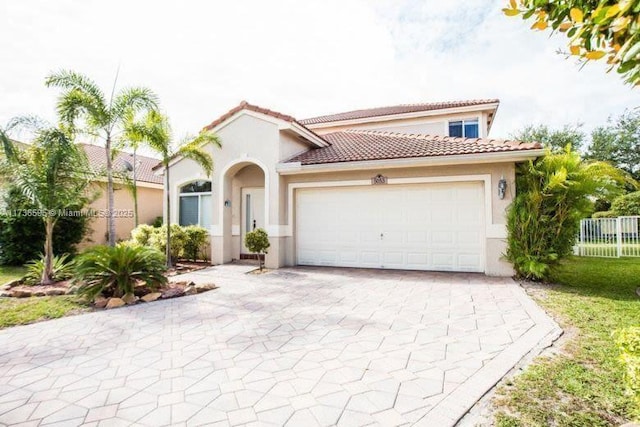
point(604, 214)
point(62, 269)
point(142, 234)
point(628, 341)
point(186, 242)
point(553, 194)
point(157, 223)
point(22, 237)
point(158, 240)
point(627, 205)
point(257, 241)
point(196, 238)
point(115, 271)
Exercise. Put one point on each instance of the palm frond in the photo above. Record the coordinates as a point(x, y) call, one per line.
point(67, 79)
point(195, 152)
point(75, 103)
point(7, 147)
point(131, 100)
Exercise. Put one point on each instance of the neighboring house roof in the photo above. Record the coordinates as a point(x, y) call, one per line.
point(395, 109)
point(359, 145)
point(144, 169)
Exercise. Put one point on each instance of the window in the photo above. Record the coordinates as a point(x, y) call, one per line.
point(195, 204)
point(464, 128)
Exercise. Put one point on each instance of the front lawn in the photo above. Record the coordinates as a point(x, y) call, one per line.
point(21, 311)
point(10, 273)
point(581, 385)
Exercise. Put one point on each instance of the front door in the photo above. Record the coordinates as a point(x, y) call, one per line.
point(252, 212)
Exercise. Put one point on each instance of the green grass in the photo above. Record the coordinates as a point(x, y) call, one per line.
point(11, 273)
point(582, 385)
point(21, 311)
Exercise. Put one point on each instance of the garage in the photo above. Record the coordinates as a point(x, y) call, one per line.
point(435, 226)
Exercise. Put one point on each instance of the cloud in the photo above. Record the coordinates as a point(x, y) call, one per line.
point(302, 58)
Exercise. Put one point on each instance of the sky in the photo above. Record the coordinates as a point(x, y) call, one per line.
point(302, 58)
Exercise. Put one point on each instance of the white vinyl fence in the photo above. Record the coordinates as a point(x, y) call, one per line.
point(609, 237)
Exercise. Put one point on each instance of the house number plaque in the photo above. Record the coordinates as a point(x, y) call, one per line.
point(378, 180)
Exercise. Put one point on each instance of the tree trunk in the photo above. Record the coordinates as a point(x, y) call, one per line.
point(135, 188)
point(111, 224)
point(47, 272)
point(168, 194)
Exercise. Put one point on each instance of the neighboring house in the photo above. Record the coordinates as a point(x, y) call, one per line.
point(150, 190)
point(150, 194)
point(406, 187)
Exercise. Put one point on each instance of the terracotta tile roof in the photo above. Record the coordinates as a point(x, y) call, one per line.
point(395, 109)
point(359, 145)
point(144, 172)
point(244, 105)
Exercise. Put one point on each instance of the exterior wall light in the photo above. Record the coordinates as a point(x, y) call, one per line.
point(502, 187)
point(227, 203)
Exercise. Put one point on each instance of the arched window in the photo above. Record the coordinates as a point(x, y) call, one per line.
point(196, 204)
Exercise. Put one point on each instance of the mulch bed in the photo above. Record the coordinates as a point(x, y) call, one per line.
point(16, 289)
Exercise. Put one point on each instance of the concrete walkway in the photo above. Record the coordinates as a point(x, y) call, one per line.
point(300, 347)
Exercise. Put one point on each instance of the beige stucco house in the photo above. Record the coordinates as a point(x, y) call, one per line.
point(417, 187)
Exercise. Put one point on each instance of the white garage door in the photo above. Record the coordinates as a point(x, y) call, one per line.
point(414, 227)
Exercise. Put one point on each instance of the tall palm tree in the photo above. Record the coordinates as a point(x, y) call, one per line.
point(154, 131)
point(52, 173)
point(83, 100)
point(132, 138)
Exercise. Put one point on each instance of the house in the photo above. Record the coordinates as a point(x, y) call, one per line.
point(417, 187)
point(149, 189)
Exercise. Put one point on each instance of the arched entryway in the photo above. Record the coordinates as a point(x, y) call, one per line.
point(244, 206)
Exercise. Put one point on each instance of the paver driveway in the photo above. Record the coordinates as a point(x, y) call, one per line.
point(299, 347)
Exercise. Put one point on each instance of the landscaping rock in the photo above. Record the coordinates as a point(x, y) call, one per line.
point(54, 291)
point(114, 303)
point(5, 294)
point(11, 284)
point(172, 293)
point(151, 297)
point(204, 287)
point(38, 293)
point(20, 293)
point(129, 299)
point(190, 290)
point(101, 302)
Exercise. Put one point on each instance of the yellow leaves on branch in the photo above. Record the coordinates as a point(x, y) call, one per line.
point(598, 30)
point(595, 54)
point(540, 25)
point(511, 12)
point(576, 15)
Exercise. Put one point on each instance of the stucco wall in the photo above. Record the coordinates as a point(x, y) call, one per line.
point(149, 208)
point(431, 125)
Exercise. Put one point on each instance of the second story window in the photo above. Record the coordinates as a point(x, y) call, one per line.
point(464, 128)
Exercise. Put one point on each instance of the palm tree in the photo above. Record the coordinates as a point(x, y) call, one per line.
point(154, 131)
point(51, 172)
point(103, 118)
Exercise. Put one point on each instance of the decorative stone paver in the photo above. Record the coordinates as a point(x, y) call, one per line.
point(300, 346)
